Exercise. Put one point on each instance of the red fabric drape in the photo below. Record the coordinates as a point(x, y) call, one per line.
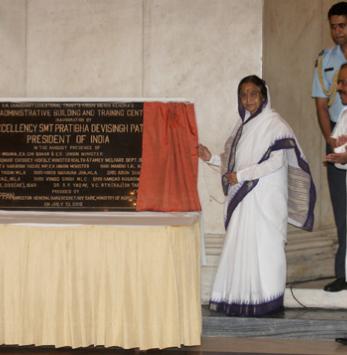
point(168, 178)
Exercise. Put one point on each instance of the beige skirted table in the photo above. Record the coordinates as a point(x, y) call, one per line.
point(112, 279)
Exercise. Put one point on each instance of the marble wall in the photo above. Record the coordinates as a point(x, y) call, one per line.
point(137, 48)
point(13, 52)
point(84, 48)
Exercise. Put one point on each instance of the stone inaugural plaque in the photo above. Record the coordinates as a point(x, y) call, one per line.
point(70, 155)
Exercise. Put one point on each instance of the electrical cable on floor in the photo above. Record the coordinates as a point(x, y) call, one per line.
point(310, 280)
point(300, 303)
point(292, 292)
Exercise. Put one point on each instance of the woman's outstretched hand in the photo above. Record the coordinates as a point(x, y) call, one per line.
point(204, 153)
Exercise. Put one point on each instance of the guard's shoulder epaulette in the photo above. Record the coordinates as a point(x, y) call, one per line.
point(321, 55)
point(321, 52)
point(330, 91)
point(328, 51)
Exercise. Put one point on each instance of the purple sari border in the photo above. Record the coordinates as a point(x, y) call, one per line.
point(231, 159)
point(245, 188)
point(248, 309)
point(290, 143)
point(248, 186)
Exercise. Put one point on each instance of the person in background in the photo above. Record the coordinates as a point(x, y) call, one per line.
point(339, 156)
point(329, 107)
point(267, 182)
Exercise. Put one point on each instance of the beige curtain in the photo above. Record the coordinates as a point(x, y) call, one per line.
point(126, 286)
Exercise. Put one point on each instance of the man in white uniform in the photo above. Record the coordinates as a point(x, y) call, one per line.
point(329, 107)
point(339, 157)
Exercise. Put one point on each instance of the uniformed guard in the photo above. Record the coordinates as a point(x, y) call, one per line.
point(329, 107)
point(325, 79)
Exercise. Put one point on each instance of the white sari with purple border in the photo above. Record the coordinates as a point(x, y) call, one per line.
point(275, 187)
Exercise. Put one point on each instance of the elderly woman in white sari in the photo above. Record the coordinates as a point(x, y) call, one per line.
point(267, 183)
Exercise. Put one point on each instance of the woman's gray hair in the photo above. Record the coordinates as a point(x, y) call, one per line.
point(260, 83)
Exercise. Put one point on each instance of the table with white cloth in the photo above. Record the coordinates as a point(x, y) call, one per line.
point(125, 279)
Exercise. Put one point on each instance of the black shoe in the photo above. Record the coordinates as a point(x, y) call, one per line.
point(341, 340)
point(337, 285)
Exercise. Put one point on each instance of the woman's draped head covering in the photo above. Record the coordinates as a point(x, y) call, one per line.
point(261, 85)
point(228, 157)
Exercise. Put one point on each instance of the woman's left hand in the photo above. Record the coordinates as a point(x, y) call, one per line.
point(232, 177)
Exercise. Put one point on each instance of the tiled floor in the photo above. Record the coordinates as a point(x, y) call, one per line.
point(292, 313)
point(269, 346)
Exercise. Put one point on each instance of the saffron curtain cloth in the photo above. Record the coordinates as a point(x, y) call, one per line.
point(169, 171)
